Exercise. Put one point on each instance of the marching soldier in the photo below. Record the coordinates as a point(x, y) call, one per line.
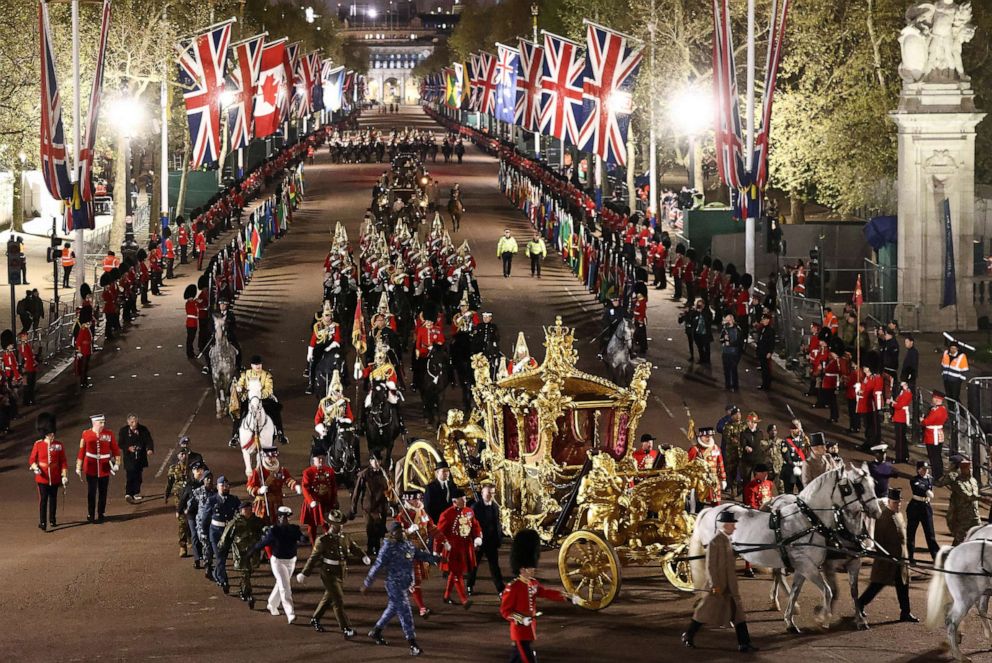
point(186, 508)
point(522, 361)
point(272, 406)
point(920, 512)
point(371, 489)
point(224, 507)
point(721, 603)
point(419, 529)
point(962, 507)
point(458, 535)
point(178, 478)
point(331, 551)
point(200, 507)
point(518, 603)
point(282, 539)
point(241, 535)
point(99, 457)
point(192, 319)
point(266, 485)
point(320, 495)
point(50, 468)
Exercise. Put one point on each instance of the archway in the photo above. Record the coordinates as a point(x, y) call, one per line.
point(391, 90)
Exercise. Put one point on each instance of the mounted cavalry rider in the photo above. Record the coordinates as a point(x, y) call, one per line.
point(382, 370)
point(466, 320)
point(269, 402)
point(333, 411)
point(383, 310)
point(325, 337)
point(382, 333)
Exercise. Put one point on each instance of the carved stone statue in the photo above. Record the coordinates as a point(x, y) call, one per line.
point(932, 40)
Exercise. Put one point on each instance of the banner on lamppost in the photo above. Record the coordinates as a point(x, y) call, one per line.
point(950, 297)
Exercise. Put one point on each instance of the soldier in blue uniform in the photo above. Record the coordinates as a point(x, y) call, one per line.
point(396, 558)
point(920, 512)
point(225, 507)
point(881, 470)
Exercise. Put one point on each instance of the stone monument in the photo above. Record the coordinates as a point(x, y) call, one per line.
point(936, 121)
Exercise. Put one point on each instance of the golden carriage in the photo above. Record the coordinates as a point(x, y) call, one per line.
point(557, 444)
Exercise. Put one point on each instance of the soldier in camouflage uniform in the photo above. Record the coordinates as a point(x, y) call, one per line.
point(331, 552)
point(732, 450)
point(775, 459)
point(241, 535)
point(962, 508)
point(178, 478)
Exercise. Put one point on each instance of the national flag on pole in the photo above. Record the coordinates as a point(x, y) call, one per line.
point(54, 160)
point(85, 165)
point(244, 77)
point(304, 83)
point(358, 339)
point(457, 85)
point(474, 65)
point(506, 86)
point(272, 93)
point(528, 84)
point(297, 84)
point(333, 82)
point(487, 82)
point(202, 65)
point(317, 87)
point(563, 71)
point(348, 90)
point(613, 62)
point(859, 298)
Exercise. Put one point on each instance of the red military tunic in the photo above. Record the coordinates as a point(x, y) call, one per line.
point(320, 486)
point(459, 528)
point(170, 249)
point(203, 305)
point(200, 241)
point(645, 459)
point(27, 356)
point(933, 425)
point(183, 235)
point(109, 295)
point(96, 452)
point(831, 375)
point(335, 334)
point(427, 338)
point(319, 416)
point(640, 310)
point(902, 407)
point(519, 600)
point(8, 363)
point(49, 457)
point(756, 493)
point(273, 497)
point(192, 314)
point(84, 341)
point(714, 459)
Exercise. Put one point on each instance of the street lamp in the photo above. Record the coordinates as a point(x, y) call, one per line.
point(126, 115)
point(691, 113)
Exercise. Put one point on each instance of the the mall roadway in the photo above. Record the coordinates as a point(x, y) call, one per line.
point(119, 592)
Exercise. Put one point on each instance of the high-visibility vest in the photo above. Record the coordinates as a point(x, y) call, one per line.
point(109, 263)
point(68, 259)
point(954, 368)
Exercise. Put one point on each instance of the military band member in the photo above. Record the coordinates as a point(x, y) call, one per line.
point(518, 604)
point(99, 457)
point(920, 512)
point(706, 449)
point(419, 530)
point(281, 539)
point(458, 536)
point(266, 484)
point(757, 492)
point(179, 476)
point(320, 495)
point(331, 551)
point(721, 603)
point(241, 535)
point(48, 462)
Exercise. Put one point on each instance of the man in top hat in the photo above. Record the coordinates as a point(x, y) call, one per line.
point(954, 368)
point(371, 492)
point(920, 512)
point(720, 603)
point(706, 449)
point(99, 457)
point(272, 406)
point(50, 468)
point(241, 535)
point(518, 603)
point(320, 494)
point(646, 456)
point(420, 530)
point(281, 539)
point(488, 516)
point(933, 433)
point(458, 536)
point(438, 493)
point(266, 483)
point(962, 507)
point(522, 361)
point(819, 461)
point(757, 492)
point(890, 539)
point(331, 551)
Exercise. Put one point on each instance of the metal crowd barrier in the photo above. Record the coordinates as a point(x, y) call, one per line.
point(963, 433)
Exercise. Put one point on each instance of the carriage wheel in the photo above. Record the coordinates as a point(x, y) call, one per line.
point(418, 465)
point(678, 571)
point(589, 568)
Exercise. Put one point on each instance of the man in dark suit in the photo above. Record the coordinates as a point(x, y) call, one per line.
point(136, 442)
point(438, 493)
point(487, 514)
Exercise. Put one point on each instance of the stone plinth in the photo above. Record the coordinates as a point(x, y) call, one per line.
point(936, 124)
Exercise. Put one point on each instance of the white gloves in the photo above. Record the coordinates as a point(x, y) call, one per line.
point(300, 578)
point(309, 353)
point(263, 489)
point(358, 370)
point(411, 529)
point(313, 503)
point(65, 481)
point(113, 468)
point(79, 473)
point(321, 429)
point(798, 471)
point(366, 560)
point(447, 546)
point(723, 485)
point(335, 344)
point(574, 598)
point(527, 621)
point(929, 494)
point(478, 541)
point(36, 470)
point(299, 489)
point(345, 420)
point(391, 384)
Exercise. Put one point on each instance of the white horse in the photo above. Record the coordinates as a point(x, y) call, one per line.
point(795, 531)
point(951, 594)
point(256, 431)
point(223, 365)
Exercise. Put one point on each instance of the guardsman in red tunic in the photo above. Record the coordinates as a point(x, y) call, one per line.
point(757, 492)
point(155, 266)
point(427, 337)
point(84, 346)
point(170, 255)
point(50, 469)
point(933, 432)
point(99, 457)
point(109, 297)
point(183, 242)
point(29, 366)
point(458, 535)
point(8, 357)
point(518, 604)
point(200, 244)
point(192, 319)
point(320, 495)
point(829, 381)
point(902, 407)
point(266, 484)
point(640, 323)
point(419, 529)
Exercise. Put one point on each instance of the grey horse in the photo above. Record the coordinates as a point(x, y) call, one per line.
point(223, 365)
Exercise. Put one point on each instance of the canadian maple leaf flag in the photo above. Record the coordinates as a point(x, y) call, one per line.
point(272, 97)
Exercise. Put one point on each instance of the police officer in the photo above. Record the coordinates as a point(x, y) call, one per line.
point(919, 511)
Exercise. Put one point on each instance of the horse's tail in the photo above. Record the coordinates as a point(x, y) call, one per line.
point(937, 596)
point(697, 552)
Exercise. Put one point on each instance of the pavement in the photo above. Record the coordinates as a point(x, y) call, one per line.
point(119, 591)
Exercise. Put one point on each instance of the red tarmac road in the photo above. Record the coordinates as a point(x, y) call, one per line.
point(119, 591)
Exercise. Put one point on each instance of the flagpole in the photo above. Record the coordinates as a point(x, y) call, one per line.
point(653, 132)
point(749, 155)
point(534, 10)
point(164, 163)
point(80, 246)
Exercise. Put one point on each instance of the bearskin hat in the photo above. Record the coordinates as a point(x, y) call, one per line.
point(717, 265)
point(45, 424)
point(872, 360)
point(707, 261)
point(731, 268)
point(85, 291)
point(189, 292)
point(167, 233)
point(105, 279)
point(203, 281)
point(430, 312)
point(86, 315)
point(7, 338)
point(680, 249)
point(746, 281)
point(525, 551)
point(142, 255)
point(690, 254)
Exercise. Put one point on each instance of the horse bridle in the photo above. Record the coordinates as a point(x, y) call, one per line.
point(848, 488)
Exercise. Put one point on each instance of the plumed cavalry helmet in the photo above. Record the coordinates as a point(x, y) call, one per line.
point(381, 351)
point(45, 423)
point(335, 386)
point(525, 551)
point(384, 302)
point(327, 308)
point(520, 350)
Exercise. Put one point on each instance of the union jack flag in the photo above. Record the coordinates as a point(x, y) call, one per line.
point(85, 164)
point(202, 63)
point(474, 66)
point(488, 81)
point(304, 84)
point(241, 116)
point(562, 73)
point(528, 85)
point(54, 161)
point(298, 96)
point(613, 62)
point(727, 132)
